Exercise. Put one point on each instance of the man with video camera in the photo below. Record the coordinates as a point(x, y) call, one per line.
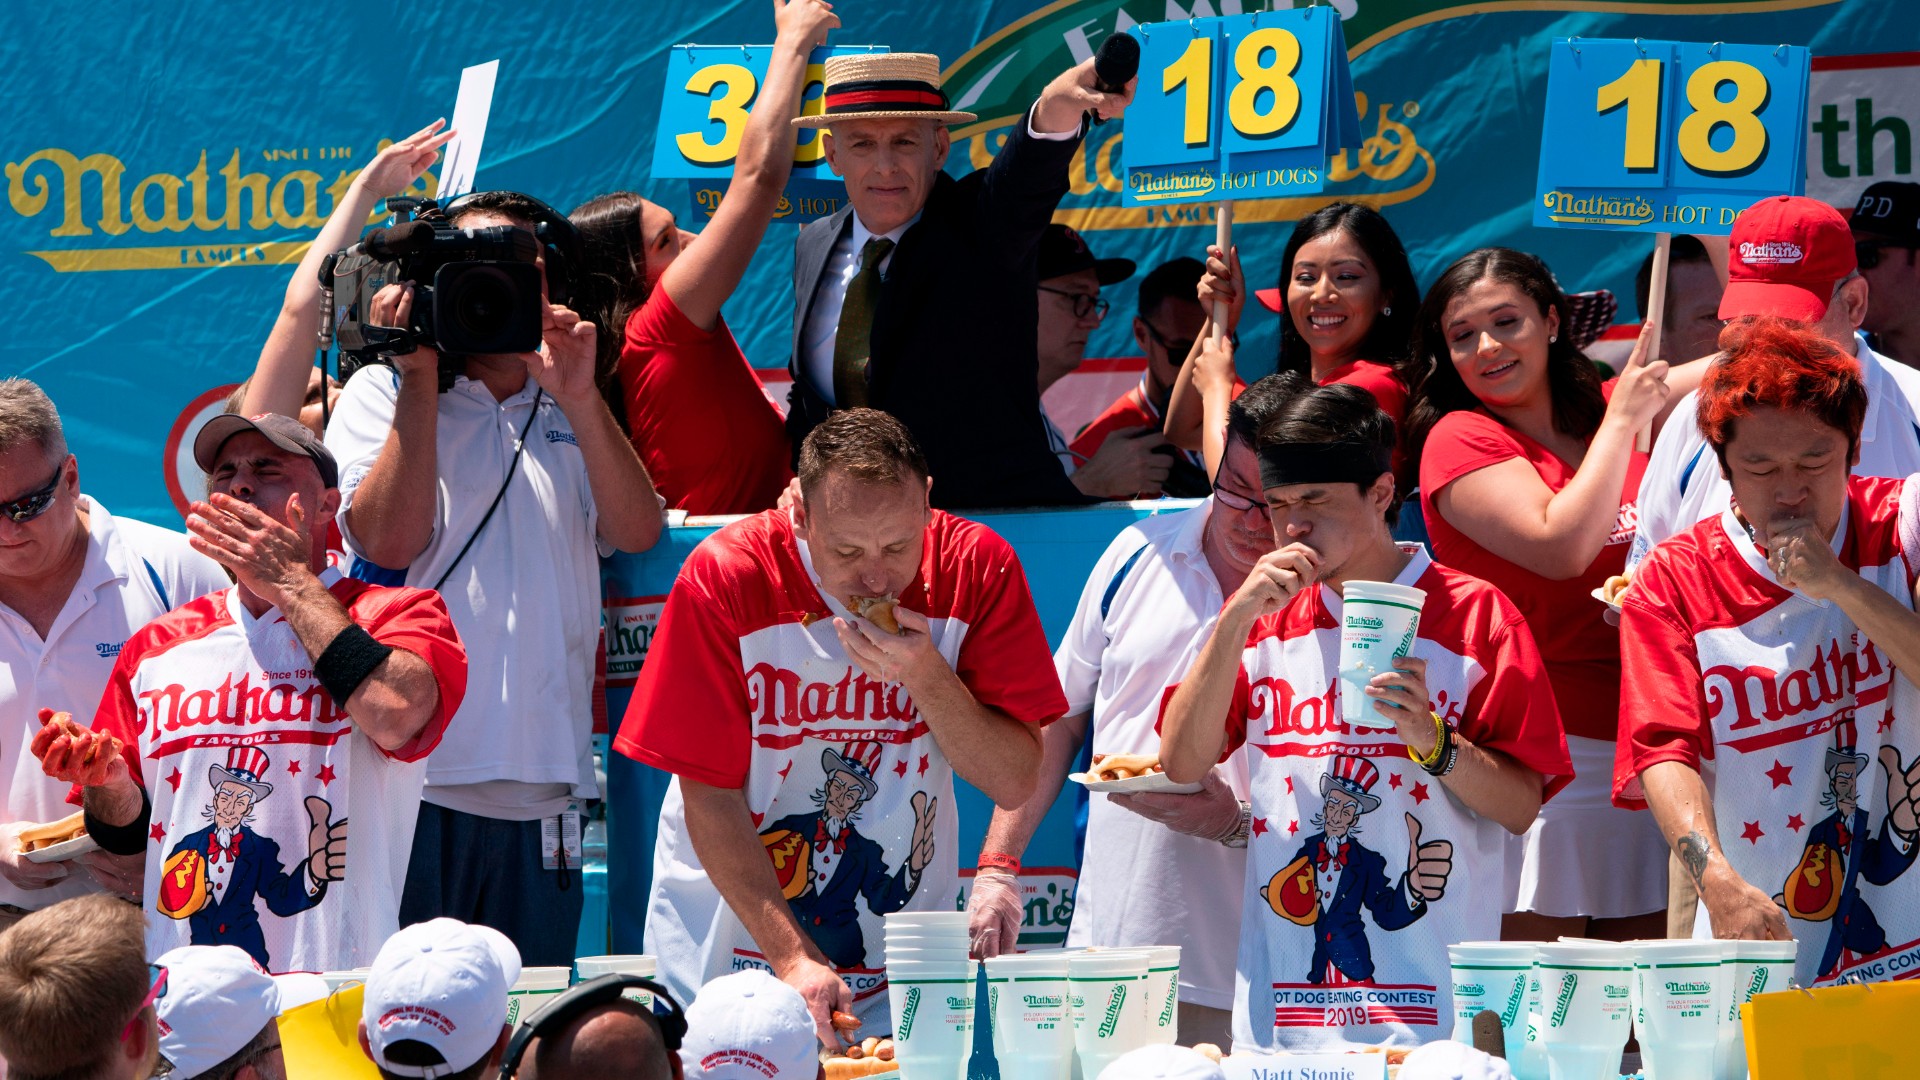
point(498, 479)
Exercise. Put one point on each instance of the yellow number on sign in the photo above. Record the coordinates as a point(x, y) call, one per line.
point(730, 108)
point(810, 150)
point(1749, 134)
point(1194, 69)
point(1265, 60)
point(1639, 91)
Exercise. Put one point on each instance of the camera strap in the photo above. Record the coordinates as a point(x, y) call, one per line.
point(519, 447)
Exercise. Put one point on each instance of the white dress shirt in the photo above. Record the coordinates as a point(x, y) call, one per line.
point(1683, 485)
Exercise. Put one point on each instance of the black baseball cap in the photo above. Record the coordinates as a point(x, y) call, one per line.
point(1063, 251)
point(1889, 210)
point(282, 431)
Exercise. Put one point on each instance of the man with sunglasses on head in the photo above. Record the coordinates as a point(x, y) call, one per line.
point(1143, 615)
point(75, 583)
point(80, 998)
point(1167, 318)
point(1886, 241)
point(1133, 465)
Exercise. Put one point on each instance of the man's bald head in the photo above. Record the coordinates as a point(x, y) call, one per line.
point(615, 1041)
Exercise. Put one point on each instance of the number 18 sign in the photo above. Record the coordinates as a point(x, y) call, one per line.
point(1665, 137)
point(1238, 107)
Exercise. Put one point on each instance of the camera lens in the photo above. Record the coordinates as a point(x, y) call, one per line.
point(482, 302)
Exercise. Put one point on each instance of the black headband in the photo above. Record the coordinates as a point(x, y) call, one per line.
point(1321, 463)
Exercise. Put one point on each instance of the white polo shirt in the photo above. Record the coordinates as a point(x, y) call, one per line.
point(1683, 485)
point(1145, 612)
point(525, 598)
point(134, 574)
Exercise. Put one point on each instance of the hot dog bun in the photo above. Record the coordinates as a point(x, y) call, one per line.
point(1124, 766)
point(877, 610)
point(35, 837)
point(845, 1068)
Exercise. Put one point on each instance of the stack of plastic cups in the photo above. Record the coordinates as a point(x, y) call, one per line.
point(1492, 975)
point(1748, 969)
point(536, 987)
point(1107, 992)
point(588, 968)
point(1032, 1026)
point(1679, 996)
point(1586, 1005)
point(1163, 993)
point(930, 988)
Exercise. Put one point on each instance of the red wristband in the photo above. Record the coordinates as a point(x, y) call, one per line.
point(994, 860)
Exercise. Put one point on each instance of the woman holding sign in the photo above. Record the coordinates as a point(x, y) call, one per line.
point(1347, 303)
point(683, 385)
point(1529, 475)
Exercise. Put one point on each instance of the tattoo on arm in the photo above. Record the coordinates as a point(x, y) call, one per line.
point(1693, 850)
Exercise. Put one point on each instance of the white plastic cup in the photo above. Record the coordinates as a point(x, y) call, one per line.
point(1491, 975)
point(1163, 993)
point(1107, 991)
point(1530, 1061)
point(536, 987)
point(1748, 969)
point(337, 979)
point(1586, 1002)
point(930, 919)
point(1680, 997)
point(592, 967)
point(1032, 1024)
point(932, 1006)
point(1378, 621)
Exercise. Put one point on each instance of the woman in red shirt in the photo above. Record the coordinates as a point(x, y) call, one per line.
point(1347, 297)
point(711, 439)
point(1528, 476)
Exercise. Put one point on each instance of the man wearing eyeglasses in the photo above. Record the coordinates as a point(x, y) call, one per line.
point(1886, 241)
point(75, 583)
point(1168, 317)
point(1133, 463)
point(80, 996)
point(1144, 613)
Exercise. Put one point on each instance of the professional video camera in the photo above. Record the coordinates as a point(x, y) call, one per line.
point(476, 291)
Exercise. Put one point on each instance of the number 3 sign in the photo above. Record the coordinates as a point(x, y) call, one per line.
point(1239, 107)
point(1663, 136)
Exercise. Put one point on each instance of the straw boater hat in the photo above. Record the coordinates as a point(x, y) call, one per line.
point(885, 86)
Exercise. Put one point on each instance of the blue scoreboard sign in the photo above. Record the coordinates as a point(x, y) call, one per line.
point(1665, 136)
point(1238, 107)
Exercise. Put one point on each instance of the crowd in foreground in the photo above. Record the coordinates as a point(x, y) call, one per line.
point(386, 608)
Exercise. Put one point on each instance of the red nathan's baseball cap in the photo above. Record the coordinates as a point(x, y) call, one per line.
point(1784, 258)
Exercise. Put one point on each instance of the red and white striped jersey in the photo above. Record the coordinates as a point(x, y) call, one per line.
point(746, 686)
point(1796, 720)
point(1338, 950)
point(243, 753)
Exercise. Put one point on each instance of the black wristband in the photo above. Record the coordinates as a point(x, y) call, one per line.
point(1445, 754)
point(347, 661)
point(128, 839)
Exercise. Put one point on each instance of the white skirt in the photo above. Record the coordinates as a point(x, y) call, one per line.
point(1583, 855)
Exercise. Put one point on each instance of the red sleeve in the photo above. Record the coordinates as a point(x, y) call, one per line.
point(657, 325)
point(1663, 708)
point(416, 621)
point(1387, 389)
point(1005, 660)
point(1512, 710)
point(1236, 712)
point(1462, 442)
point(118, 715)
point(689, 712)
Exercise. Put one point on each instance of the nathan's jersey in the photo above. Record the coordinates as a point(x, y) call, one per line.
point(243, 754)
point(1798, 723)
point(746, 686)
point(1338, 948)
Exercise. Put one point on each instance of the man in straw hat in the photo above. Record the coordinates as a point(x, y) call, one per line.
point(918, 297)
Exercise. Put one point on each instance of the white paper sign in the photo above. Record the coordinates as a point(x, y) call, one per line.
point(461, 158)
point(1305, 1067)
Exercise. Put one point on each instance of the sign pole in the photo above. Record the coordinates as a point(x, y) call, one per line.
point(1223, 239)
point(1656, 316)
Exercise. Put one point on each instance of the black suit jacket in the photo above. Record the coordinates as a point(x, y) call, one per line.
point(953, 334)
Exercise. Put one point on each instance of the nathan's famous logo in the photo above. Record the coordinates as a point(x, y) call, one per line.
point(1115, 1001)
point(1597, 209)
point(909, 1010)
point(1568, 982)
point(1510, 1015)
point(1043, 1001)
point(1285, 711)
point(1746, 697)
point(172, 707)
point(630, 624)
point(1166, 1009)
point(1771, 253)
point(777, 697)
point(1688, 989)
point(225, 210)
point(1367, 622)
point(1471, 990)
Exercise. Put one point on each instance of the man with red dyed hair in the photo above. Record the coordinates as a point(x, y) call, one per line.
point(1759, 651)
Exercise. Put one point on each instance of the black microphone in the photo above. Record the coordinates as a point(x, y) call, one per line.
point(1117, 62)
point(402, 239)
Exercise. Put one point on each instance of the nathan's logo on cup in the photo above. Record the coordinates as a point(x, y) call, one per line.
point(1568, 982)
point(1510, 1015)
point(1470, 990)
point(1042, 1001)
point(1366, 622)
point(1689, 988)
point(993, 997)
point(1771, 253)
point(1616, 992)
point(1115, 1001)
point(909, 1011)
point(959, 1003)
point(1165, 1018)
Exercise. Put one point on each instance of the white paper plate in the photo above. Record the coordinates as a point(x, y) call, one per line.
point(1135, 785)
point(1600, 595)
point(66, 849)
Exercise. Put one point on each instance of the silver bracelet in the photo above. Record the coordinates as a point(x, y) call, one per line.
point(1238, 837)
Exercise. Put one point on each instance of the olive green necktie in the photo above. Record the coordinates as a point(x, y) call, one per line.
point(853, 340)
